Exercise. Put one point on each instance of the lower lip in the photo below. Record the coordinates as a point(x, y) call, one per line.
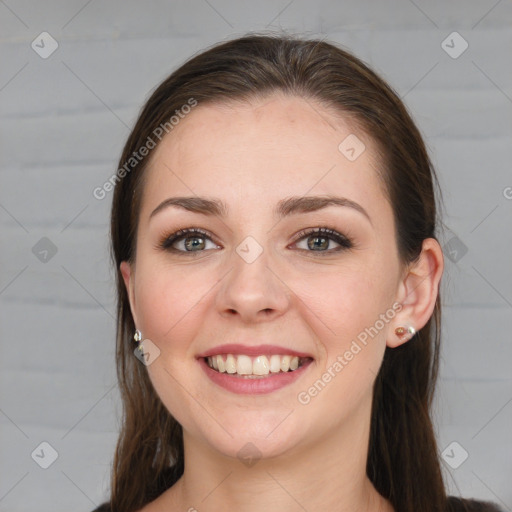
point(255, 386)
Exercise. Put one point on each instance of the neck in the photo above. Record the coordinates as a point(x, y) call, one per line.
point(329, 474)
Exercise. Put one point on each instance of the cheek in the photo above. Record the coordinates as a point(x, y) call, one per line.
point(355, 314)
point(169, 301)
point(172, 309)
point(346, 298)
point(352, 307)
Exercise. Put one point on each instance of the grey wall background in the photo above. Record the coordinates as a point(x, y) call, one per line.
point(64, 118)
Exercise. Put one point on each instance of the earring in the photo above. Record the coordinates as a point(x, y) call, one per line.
point(405, 333)
point(138, 338)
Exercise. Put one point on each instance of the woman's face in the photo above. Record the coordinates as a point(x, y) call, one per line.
point(255, 279)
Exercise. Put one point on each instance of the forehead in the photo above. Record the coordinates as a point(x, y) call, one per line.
point(264, 150)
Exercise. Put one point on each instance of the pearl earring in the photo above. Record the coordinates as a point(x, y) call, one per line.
point(405, 332)
point(138, 338)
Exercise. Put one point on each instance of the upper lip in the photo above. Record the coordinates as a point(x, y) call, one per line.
point(251, 350)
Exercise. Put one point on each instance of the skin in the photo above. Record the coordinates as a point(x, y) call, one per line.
point(252, 155)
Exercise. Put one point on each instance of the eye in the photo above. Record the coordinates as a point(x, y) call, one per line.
point(194, 240)
point(318, 240)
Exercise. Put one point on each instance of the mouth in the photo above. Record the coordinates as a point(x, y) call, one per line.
point(258, 367)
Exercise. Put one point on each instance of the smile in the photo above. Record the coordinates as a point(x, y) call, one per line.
point(247, 375)
point(245, 366)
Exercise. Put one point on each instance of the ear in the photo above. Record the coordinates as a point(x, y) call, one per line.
point(129, 281)
point(418, 290)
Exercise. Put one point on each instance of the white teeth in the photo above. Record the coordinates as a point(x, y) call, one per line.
point(260, 366)
point(275, 363)
point(253, 367)
point(230, 364)
point(285, 363)
point(243, 365)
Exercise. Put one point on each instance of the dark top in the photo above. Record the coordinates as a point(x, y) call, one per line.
point(455, 505)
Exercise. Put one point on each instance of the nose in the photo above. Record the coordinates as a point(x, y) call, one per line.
point(252, 290)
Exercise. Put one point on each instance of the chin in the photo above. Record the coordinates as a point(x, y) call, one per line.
point(248, 449)
point(258, 434)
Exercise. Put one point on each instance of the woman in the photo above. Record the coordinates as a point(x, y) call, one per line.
point(274, 234)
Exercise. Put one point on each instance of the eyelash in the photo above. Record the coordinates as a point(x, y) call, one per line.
point(344, 242)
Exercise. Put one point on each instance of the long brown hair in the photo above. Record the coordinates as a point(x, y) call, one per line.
point(403, 461)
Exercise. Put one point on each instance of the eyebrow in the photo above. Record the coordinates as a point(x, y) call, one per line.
point(284, 208)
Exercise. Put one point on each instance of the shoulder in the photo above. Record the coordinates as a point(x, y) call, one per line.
point(456, 504)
